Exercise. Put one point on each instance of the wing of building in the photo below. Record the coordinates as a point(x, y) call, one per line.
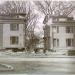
point(59, 33)
point(12, 31)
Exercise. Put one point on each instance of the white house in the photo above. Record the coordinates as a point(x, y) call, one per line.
point(59, 33)
point(12, 31)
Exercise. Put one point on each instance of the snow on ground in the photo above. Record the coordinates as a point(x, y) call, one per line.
point(11, 54)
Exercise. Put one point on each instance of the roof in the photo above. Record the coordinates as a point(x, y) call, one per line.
point(12, 18)
point(47, 17)
point(18, 21)
point(10, 14)
point(60, 16)
point(63, 23)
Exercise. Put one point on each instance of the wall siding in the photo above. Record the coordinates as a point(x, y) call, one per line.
point(1, 36)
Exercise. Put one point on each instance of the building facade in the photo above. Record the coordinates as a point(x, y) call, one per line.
point(12, 31)
point(59, 33)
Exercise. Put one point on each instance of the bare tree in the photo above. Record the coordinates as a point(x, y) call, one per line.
point(51, 8)
point(23, 7)
point(30, 33)
point(13, 7)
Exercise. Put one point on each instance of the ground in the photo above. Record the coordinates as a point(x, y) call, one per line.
point(44, 65)
point(51, 66)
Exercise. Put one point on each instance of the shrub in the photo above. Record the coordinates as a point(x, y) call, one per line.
point(71, 52)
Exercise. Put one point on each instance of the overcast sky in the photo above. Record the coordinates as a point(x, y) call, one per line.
point(1, 1)
point(39, 27)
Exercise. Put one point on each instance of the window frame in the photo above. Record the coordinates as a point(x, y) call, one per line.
point(55, 42)
point(56, 29)
point(14, 27)
point(15, 39)
point(69, 29)
point(69, 42)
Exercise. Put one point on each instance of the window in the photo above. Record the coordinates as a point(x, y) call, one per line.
point(14, 40)
point(55, 19)
point(69, 42)
point(69, 29)
point(14, 27)
point(62, 19)
point(55, 42)
point(55, 29)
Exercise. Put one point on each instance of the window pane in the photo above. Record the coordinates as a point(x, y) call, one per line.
point(55, 29)
point(62, 19)
point(14, 40)
point(69, 29)
point(72, 42)
point(55, 42)
point(14, 27)
point(69, 42)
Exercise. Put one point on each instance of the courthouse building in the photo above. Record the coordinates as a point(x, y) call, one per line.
point(59, 33)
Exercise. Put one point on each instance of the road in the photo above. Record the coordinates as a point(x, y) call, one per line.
point(42, 66)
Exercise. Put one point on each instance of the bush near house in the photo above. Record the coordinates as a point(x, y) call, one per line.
point(51, 50)
point(18, 50)
point(71, 52)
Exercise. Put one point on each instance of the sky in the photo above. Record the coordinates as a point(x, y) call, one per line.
point(39, 26)
point(1, 1)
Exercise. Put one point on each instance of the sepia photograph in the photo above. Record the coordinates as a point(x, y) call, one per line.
point(37, 37)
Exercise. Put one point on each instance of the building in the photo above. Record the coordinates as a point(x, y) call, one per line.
point(59, 33)
point(12, 31)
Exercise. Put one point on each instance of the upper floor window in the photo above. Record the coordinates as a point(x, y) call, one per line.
point(69, 29)
point(14, 40)
point(55, 42)
point(62, 19)
point(55, 19)
point(55, 29)
point(14, 27)
point(69, 42)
